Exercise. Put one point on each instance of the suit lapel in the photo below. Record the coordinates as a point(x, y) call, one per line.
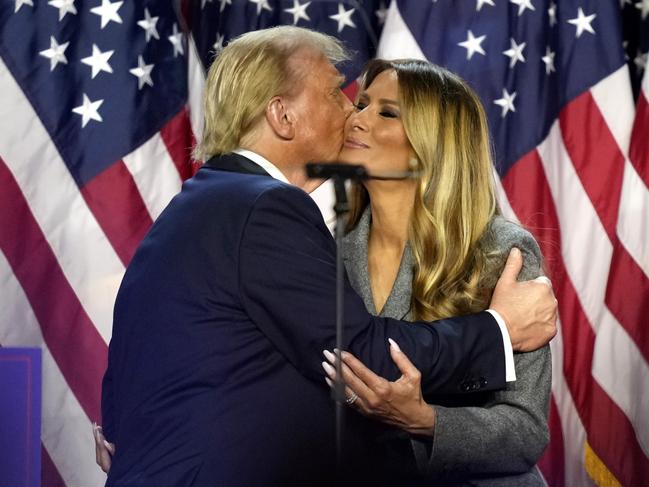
point(235, 163)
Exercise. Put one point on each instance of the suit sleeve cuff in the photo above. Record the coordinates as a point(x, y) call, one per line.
point(510, 370)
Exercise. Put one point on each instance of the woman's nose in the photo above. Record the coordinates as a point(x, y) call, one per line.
point(357, 120)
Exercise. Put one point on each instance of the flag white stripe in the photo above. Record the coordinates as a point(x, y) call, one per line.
point(620, 368)
point(585, 246)
point(87, 259)
point(615, 102)
point(396, 39)
point(196, 82)
point(154, 173)
point(586, 252)
point(572, 428)
point(66, 431)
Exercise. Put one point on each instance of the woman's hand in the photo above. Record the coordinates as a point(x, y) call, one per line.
point(104, 450)
point(398, 403)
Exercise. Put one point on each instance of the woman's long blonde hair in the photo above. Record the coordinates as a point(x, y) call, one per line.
point(455, 199)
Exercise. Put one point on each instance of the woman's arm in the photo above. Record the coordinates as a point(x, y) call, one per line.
point(508, 433)
point(505, 433)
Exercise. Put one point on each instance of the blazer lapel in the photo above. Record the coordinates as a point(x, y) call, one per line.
point(235, 163)
point(355, 259)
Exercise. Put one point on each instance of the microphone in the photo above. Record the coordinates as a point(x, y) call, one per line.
point(353, 172)
point(325, 170)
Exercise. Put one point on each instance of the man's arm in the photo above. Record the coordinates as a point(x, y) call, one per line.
point(287, 286)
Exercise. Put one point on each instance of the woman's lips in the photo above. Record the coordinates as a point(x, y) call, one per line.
point(355, 144)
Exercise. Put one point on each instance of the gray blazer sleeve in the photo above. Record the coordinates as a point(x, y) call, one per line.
point(508, 433)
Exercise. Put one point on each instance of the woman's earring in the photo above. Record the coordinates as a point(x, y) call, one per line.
point(413, 164)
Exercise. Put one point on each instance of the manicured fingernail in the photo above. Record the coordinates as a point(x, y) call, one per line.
point(329, 382)
point(329, 369)
point(394, 345)
point(330, 356)
point(106, 444)
point(514, 251)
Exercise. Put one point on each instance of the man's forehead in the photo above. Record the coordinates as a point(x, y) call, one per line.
point(312, 62)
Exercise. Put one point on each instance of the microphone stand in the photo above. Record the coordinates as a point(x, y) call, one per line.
point(339, 173)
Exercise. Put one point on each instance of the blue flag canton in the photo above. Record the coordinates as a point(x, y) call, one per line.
point(525, 58)
point(357, 23)
point(103, 76)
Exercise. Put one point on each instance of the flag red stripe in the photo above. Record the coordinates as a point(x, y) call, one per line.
point(50, 476)
point(595, 155)
point(526, 186)
point(600, 166)
point(552, 463)
point(179, 139)
point(63, 321)
point(114, 199)
point(639, 149)
point(628, 284)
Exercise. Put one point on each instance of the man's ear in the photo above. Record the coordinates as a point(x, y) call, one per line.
point(279, 118)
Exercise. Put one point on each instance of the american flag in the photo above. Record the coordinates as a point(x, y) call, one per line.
point(573, 169)
point(100, 105)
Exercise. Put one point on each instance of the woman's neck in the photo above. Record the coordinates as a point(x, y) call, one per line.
point(391, 204)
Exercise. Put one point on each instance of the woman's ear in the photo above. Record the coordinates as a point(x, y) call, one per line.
point(280, 118)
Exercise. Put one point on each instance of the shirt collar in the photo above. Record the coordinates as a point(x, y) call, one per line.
point(264, 163)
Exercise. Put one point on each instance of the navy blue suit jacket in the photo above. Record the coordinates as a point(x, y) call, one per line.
point(214, 375)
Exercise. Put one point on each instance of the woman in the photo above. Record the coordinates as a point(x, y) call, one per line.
point(432, 246)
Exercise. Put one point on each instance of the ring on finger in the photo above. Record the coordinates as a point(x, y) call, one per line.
point(351, 399)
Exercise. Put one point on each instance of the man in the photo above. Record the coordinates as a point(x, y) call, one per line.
point(214, 373)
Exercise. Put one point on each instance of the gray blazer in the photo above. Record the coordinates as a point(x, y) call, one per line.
point(485, 439)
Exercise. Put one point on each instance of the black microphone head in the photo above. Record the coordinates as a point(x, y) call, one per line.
point(325, 170)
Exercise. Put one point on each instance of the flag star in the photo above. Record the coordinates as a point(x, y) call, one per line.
point(643, 6)
point(64, 6)
point(203, 2)
point(20, 3)
point(506, 102)
point(343, 17)
point(381, 13)
point(223, 4)
point(56, 53)
point(262, 4)
point(88, 110)
point(515, 53)
point(176, 40)
point(98, 61)
point(623, 3)
point(582, 22)
point(480, 3)
point(548, 60)
point(148, 23)
point(143, 73)
point(473, 45)
point(108, 12)
point(625, 47)
point(552, 14)
point(298, 11)
point(522, 5)
point(218, 45)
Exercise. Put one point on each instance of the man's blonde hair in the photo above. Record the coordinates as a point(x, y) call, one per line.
point(251, 70)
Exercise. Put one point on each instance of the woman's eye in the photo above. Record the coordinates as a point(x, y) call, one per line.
point(388, 114)
point(359, 106)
